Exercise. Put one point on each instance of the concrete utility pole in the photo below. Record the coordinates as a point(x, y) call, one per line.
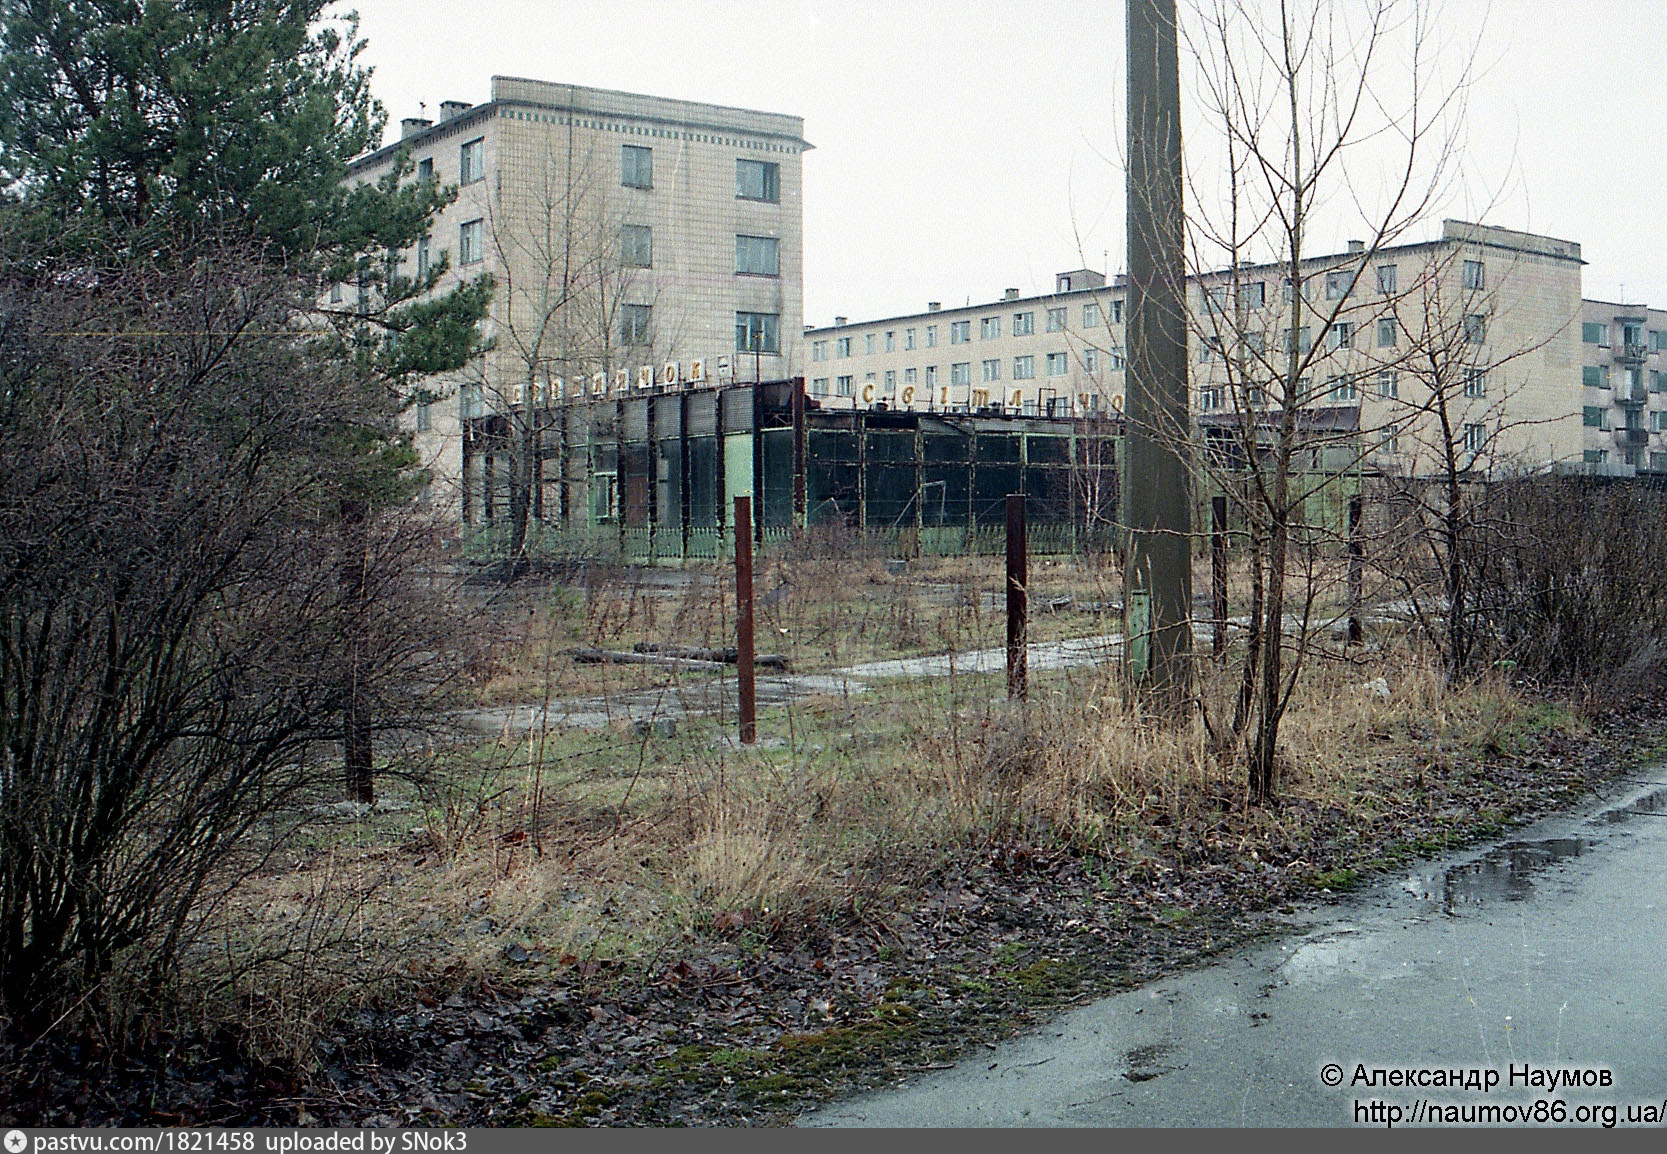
point(1157, 510)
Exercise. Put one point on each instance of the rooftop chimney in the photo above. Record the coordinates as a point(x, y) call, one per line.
point(933, 306)
point(1011, 294)
point(451, 108)
point(1357, 246)
point(839, 321)
point(412, 125)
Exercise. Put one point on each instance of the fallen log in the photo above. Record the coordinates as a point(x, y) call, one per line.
point(728, 655)
point(616, 657)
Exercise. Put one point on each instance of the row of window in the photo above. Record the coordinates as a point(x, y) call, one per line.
point(754, 332)
point(1634, 457)
point(1338, 283)
point(1341, 389)
point(960, 332)
point(1597, 377)
point(960, 373)
point(1597, 417)
point(754, 179)
point(1633, 336)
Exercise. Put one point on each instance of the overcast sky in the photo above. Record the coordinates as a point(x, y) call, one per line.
point(966, 147)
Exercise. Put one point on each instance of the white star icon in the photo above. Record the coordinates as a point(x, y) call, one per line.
point(16, 1141)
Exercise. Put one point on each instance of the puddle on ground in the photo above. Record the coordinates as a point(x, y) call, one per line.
point(1650, 804)
point(1504, 874)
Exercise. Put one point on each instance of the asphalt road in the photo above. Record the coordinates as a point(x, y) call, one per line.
point(1547, 951)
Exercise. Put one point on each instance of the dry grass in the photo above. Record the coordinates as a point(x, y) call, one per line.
point(621, 846)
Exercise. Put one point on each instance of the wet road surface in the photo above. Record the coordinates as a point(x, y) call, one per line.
point(1546, 950)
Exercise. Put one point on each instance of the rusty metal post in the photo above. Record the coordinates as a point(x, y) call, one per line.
point(1017, 578)
point(1218, 574)
point(743, 619)
point(1357, 566)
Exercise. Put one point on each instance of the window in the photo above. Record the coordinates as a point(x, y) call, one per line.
point(1658, 341)
point(1091, 360)
point(1215, 298)
point(1342, 390)
point(819, 387)
point(1595, 376)
point(1342, 335)
point(336, 293)
point(471, 402)
point(636, 166)
point(847, 386)
point(1388, 384)
point(758, 332)
point(991, 370)
point(960, 373)
point(1658, 462)
point(1024, 368)
point(910, 376)
point(931, 376)
point(1475, 277)
point(1058, 364)
point(931, 336)
point(1024, 324)
point(891, 380)
point(758, 180)
point(422, 257)
point(960, 332)
point(1633, 337)
point(842, 347)
point(1209, 349)
point(908, 338)
point(425, 170)
point(1595, 456)
point(1475, 437)
point(868, 344)
point(989, 328)
point(1658, 421)
point(1211, 397)
point(1389, 440)
point(1475, 383)
point(1289, 294)
point(634, 324)
point(1117, 312)
point(1388, 332)
point(757, 256)
point(1595, 334)
point(1387, 281)
point(1056, 320)
point(1475, 329)
point(1594, 416)
point(469, 242)
point(818, 350)
point(1255, 343)
point(425, 416)
point(471, 161)
point(1114, 359)
point(1338, 284)
point(1658, 382)
point(1090, 316)
point(1300, 337)
point(1253, 295)
point(636, 246)
point(891, 340)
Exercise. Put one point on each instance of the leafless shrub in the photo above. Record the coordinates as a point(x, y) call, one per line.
point(173, 630)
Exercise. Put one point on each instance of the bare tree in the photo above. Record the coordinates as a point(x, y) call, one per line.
point(575, 299)
point(1298, 97)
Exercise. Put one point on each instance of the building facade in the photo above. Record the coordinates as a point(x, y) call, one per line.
point(637, 244)
point(1623, 387)
point(1409, 358)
